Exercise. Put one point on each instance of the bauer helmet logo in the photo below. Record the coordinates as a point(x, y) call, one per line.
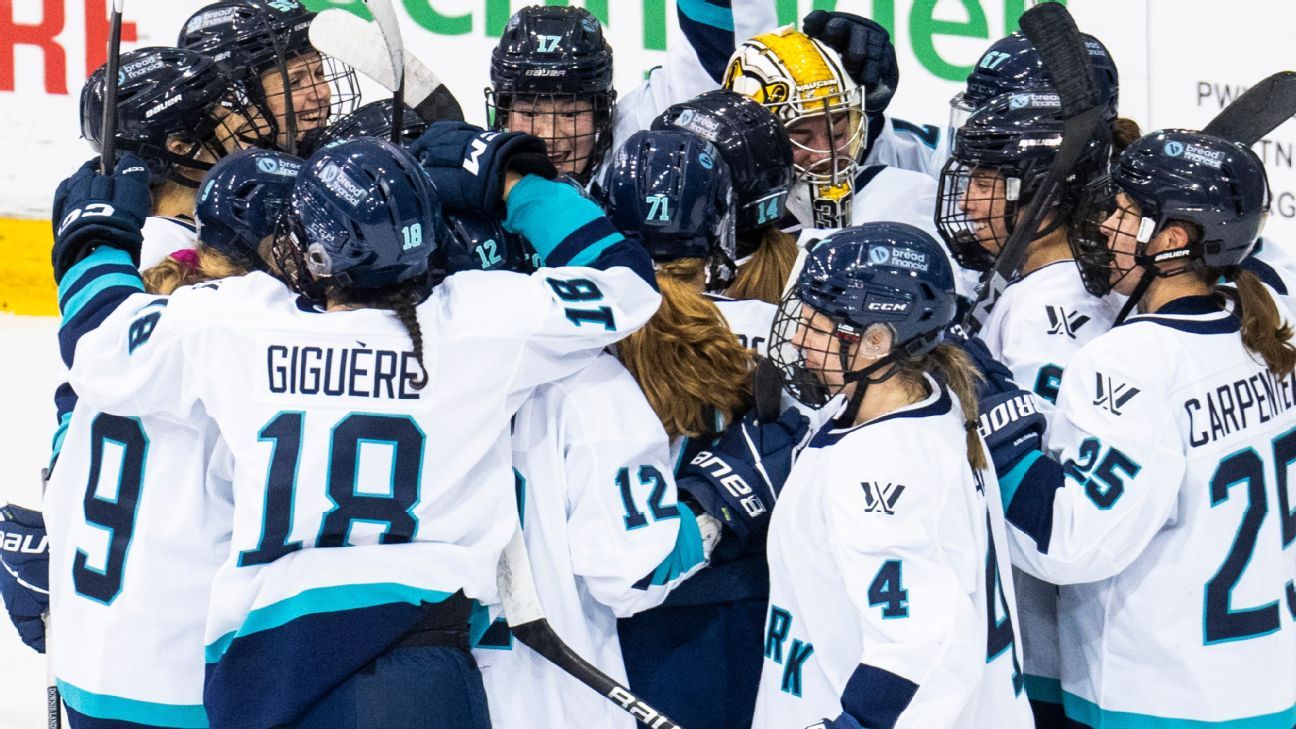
point(1174, 149)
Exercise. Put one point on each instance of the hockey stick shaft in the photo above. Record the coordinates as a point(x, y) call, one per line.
point(108, 133)
point(527, 621)
point(53, 701)
point(1261, 109)
point(1052, 31)
point(385, 19)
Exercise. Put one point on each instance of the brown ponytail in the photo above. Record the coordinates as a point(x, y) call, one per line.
point(685, 359)
point(1264, 333)
point(172, 273)
point(765, 274)
point(952, 366)
point(1124, 133)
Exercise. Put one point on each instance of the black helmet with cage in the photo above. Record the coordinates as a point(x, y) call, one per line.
point(551, 76)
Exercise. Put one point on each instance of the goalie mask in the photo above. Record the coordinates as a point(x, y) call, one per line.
point(889, 275)
point(1215, 186)
point(551, 76)
point(998, 160)
point(264, 44)
point(802, 82)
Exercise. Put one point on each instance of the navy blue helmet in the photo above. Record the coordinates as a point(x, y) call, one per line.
point(1218, 186)
point(885, 273)
point(363, 215)
point(241, 200)
point(371, 120)
point(670, 190)
point(478, 243)
point(170, 95)
point(753, 143)
point(255, 41)
point(1011, 64)
point(997, 162)
point(551, 62)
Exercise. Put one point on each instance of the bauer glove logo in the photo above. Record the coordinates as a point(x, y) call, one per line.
point(724, 474)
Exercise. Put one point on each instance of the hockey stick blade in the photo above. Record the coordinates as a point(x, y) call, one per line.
point(767, 390)
point(385, 19)
point(1053, 32)
point(1257, 112)
point(527, 621)
point(359, 44)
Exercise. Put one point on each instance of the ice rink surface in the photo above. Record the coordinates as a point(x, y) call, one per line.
point(30, 369)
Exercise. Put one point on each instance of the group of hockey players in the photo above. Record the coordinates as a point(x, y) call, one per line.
point(318, 378)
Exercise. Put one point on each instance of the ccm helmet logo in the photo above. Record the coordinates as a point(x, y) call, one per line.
point(885, 306)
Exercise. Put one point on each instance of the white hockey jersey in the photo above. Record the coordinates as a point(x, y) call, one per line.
point(1040, 321)
point(749, 319)
point(606, 535)
point(413, 482)
point(1169, 525)
point(906, 146)
point(890, 593)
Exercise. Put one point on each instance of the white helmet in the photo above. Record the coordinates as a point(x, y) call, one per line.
point(797, 78)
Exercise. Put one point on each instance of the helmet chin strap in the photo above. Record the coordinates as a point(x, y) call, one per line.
point(862, 380)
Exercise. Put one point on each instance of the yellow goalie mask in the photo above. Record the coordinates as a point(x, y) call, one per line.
point(802, 82)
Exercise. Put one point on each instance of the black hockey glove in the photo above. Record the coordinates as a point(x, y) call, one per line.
point(998, 378)
point(739, 477)
point(91, 210)
point(1012, 428)
point(467, 164)
point(866, 51)
point(24, 572)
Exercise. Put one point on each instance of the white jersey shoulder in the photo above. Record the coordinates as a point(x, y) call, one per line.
point(1172, 438)
point(886, 588)
point(906, 146)
point(1040, 321)
point(749, 319)
point(606, 535)
point(164, 236)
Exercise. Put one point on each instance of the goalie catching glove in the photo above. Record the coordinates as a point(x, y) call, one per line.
point(738, 478)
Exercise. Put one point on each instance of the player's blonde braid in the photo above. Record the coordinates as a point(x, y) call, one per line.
point(172, 273)
point(953, 367)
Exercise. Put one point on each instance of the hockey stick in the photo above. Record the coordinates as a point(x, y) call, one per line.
point(1053, 32)
point(767, 390)
point(1257, 112)
point(53, 701)
point(360, 45)
point(385, 19)
point(108, 130)
point(527, 621)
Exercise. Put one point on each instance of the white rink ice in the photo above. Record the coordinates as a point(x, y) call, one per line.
point(30, 369)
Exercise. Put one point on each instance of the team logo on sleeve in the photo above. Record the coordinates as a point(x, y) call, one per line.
point(1111, 395)
point(1065, 322)
point(880, 497)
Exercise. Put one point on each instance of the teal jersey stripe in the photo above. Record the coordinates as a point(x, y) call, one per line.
point(149, 713)
point(1095, 716)
point(700, 11)
point(687, 553)
point(1009, 482)
point(96, 287)
point(1039, 688)
point(322, 600)
point(591, 253)
point(546, 212)
point(101, 256)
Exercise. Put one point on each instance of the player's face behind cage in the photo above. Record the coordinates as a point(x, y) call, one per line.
point(814, 352)
point(573, 127)
point(978, 206)
point(311, 87)
point(1106, 240)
